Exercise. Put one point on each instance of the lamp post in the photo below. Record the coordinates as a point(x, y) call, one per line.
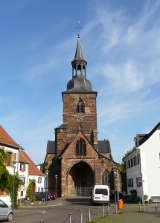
point(116, 195)
point(56, 176)
point(140, 168)
point(14, 172)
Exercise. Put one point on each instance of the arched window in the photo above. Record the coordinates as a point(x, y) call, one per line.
point(81, 148)
point(105, 178)
point(80, 106)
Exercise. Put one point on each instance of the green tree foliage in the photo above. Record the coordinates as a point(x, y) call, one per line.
point(30, 190)
point(122, 170)
point(4, 174)
point(6, 179)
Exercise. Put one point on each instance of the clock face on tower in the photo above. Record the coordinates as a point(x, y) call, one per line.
point(80, 118)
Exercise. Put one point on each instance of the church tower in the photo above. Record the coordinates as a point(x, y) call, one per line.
point(79, 104)
point(77, 160)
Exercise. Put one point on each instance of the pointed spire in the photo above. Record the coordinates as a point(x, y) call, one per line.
point(78, 54)
point(79, 63)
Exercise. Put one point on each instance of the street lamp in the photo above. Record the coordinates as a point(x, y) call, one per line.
point(56, 176)
point(14, 172)
point(142, 191)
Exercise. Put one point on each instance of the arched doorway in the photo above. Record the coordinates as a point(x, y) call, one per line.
point(80, 180)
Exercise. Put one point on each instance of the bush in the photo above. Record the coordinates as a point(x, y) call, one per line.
point(132, 198)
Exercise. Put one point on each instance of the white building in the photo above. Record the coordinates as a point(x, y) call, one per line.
point(25, 167)
point(12, 150)
point(143, 164)
point(29, 171)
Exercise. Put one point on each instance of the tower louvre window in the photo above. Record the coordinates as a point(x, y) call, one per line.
point(81, 148)
point(80, 106)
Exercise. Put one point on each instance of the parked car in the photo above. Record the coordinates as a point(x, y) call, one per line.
point(44, 196)
point(154, 199)
point(6, 213)
point(52, 195)
point(100, 194)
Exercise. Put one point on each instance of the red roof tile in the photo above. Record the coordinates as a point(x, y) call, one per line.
point(33, 170)
point(6, 139)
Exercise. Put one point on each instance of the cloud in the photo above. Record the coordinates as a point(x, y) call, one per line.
point(126, 77)
point(115, 110)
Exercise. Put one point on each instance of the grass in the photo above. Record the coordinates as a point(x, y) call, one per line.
point(99, 220)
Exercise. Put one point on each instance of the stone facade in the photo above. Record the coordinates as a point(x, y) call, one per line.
point(77, 163)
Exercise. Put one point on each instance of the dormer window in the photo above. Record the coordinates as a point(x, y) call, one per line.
point(81, 147)
point(80, 106)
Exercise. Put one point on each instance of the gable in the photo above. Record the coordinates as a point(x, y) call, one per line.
point(6, 139)
point(70, 151)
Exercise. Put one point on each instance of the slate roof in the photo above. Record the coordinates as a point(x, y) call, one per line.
point(104, 146)
point(6, 139)
point(51, 147)
point(78, 54)
point(79, 83)
point(147, 136)
point(33, 170)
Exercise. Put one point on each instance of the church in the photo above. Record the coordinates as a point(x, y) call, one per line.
point(76, 160)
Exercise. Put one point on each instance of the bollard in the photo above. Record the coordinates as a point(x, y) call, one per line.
point(156, 209)
point(108, 209)
point(70, 218)
point(116, 209)
point(103, 210)
point(89, 215)
point(81, 217)
point(139, 207)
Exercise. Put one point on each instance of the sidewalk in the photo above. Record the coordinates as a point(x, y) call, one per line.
point(131, 218)
point(36, 204)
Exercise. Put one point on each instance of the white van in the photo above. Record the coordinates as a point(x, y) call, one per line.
point(100, 194)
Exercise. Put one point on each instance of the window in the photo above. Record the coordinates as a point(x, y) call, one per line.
point(130, 182)
point(105, 178)
point(9, 159)
point(22, 167)
point(2, 204)
point(134, 161)
point(101, 191)
point(80, 106)
point(138, 159)
point(39, 180)
point(129, 164)
point(81, 147)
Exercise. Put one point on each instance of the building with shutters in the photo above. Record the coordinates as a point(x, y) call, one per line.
point(143, 164)
point(19, 161)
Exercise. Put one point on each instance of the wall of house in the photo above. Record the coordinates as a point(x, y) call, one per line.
point(39, 185)
point(133, 173)
point(23, 175)
point(13, 155)
point(150, 164)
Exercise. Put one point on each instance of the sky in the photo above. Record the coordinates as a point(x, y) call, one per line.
point(121, 43)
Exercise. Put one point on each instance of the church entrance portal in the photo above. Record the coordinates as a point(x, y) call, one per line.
point(81, 180)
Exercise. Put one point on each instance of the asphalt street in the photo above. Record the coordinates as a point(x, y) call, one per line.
point(79, 211)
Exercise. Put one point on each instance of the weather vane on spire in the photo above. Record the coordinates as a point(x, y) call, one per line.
point(78, 28)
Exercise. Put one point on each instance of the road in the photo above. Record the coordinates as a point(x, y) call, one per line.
point(59, 212)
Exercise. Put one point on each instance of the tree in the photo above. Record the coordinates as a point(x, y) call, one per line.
point(4, 174)
point(6, 179)
point(122, 170)
point(30, 190)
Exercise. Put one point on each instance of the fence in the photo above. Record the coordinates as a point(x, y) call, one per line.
point(85, 214)
point(83, 191)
